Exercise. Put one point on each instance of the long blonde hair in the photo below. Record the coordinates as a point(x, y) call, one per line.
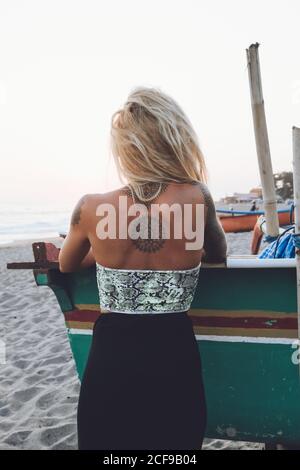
point(152, 140)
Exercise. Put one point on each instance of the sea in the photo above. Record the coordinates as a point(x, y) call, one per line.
point(35, 222)
point(28, 222)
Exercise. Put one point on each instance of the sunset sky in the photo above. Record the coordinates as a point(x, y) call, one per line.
point(66, 66)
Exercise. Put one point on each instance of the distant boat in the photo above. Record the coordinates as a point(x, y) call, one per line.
point(234, 221)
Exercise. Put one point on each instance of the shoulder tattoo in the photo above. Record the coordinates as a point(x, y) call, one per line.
point(209, 203)
point(214, 236)
point(75, 219)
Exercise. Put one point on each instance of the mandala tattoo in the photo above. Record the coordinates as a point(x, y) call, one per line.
point(151, 226)
point(150, 242)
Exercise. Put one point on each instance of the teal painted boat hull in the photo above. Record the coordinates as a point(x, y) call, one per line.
point(245, 322)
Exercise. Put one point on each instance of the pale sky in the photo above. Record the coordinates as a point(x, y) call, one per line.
point(66, 66)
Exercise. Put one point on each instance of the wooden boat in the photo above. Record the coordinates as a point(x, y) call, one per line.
point(244, 221)
point(245, 321)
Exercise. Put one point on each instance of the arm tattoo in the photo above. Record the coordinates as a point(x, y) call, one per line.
point(215, 245)
point(75, 219)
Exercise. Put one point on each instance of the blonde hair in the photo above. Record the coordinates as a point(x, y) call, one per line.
point(152, 140)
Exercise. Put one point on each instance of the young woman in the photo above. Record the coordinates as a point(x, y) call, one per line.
point(142, 387)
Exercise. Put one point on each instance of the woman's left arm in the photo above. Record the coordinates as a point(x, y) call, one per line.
point(76, 252)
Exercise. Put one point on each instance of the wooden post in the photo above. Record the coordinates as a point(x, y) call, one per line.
point(262, 142)
point(296, 178)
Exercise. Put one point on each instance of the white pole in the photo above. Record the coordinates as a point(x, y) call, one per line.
point(262, 142)
point(296, 178)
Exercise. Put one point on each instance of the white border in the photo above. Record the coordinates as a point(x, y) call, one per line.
point(225, 339)
point(246, 339)
point(78, 331)
point(106, 268)
point(233, 262)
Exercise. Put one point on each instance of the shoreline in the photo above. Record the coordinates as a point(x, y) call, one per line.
point(28, 241)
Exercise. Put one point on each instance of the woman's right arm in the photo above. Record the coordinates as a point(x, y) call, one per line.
point(215, 246)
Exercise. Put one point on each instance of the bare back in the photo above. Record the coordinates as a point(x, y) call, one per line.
point(83, 246)
point(124, 253)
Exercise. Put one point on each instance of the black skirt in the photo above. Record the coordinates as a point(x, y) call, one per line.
point(142, 387)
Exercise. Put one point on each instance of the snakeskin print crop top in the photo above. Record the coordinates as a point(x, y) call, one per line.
point(146, 291)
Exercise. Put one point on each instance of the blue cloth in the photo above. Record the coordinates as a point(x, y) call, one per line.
point(283, 247)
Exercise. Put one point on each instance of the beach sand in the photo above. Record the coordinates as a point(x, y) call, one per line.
point(39, 385)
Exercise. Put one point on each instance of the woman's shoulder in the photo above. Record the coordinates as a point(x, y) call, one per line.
point(92, 198)
point(91, 201)
point(204, 192)
point(197, 191)
point(87, 207)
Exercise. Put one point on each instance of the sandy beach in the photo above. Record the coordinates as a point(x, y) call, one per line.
point(39, 385)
